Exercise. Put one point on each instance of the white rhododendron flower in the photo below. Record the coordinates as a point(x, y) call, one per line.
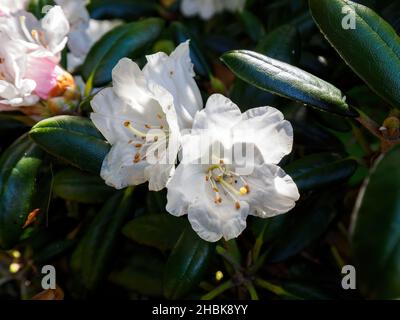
point(264, 126)
point(208, 8)
point(29, 57)
point(84, 31)
point(217, 191)
point(140, 117)
point(8, 7)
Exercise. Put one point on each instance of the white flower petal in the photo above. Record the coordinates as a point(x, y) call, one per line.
point(213, 221)
point(56, 27)
point(119, 170)
point(272, 191)
point(219, 114)
point(184, 186)
point(175, 74)
point(267, 129)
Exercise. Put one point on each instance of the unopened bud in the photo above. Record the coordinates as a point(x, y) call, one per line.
point(391, 128)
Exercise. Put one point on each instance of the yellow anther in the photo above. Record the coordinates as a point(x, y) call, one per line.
point(243, 191)
point(219, 275)
point(237, 205)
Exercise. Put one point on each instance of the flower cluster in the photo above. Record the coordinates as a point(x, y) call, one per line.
point(208, 8)
point(228, 160)
point(30, 55)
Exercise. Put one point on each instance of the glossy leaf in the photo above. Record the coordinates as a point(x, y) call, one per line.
point(320, 170)
point(122, 41)
point(123, 9)
point(142, 273)
point(282, 44)
point(93, 256)
point(23, 189)
point(186, 264)
point(287, 81)
point(73, 139)
point(371, 49)
point(252, 25)
point(160, 231)
point(376, 232)
point(79, 186)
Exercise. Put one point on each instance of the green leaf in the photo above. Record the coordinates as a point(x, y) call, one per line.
point(286, 80)
point(186, 265)
point(73, 139)
point(320, 170)
point(160, 231)
point(252, 25)
point(376, 231)
point(23, 188)
point(123, 9)
point(305, 224)
point(199, 61)
point(94, 255)
point(75, 185)
point(282, 44)
point(372, 49)
point(142, 273)
point(52, 250)
point(122, 41)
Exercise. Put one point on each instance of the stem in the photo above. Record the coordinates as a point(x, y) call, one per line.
point(370, 125)
point(225, 254)
point(218, 290)
point(338, 259)
point(278, 290)
point(252, 291)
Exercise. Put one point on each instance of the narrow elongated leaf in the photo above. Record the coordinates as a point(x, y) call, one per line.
point(287, 81)
point(92, 258)
point(282, 44)
point(186, 264)
point(124, 9)
point(376, 231)
point(371, 47)
point(73, 139)
point(320, 170)
point(142, 273)
point(161, 231)
point(75, 185)
point(23, 189)
point(125, 40)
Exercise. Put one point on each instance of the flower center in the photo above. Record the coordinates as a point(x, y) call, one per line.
point(227, 182)
point(148, 137)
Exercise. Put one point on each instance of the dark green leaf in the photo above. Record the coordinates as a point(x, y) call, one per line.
point(142, 273)
point(252, 25)
point(94, 255)
point(186, 265)
point(320, 170)
point(122, 41)
point(376, 231)
point(75, 185)
point(372, 49)
point(302, 226)
point(123, 9)
point(23, 188)
point(281, 44)
point(73, 139)
point(161, 231)
point(287, 81)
